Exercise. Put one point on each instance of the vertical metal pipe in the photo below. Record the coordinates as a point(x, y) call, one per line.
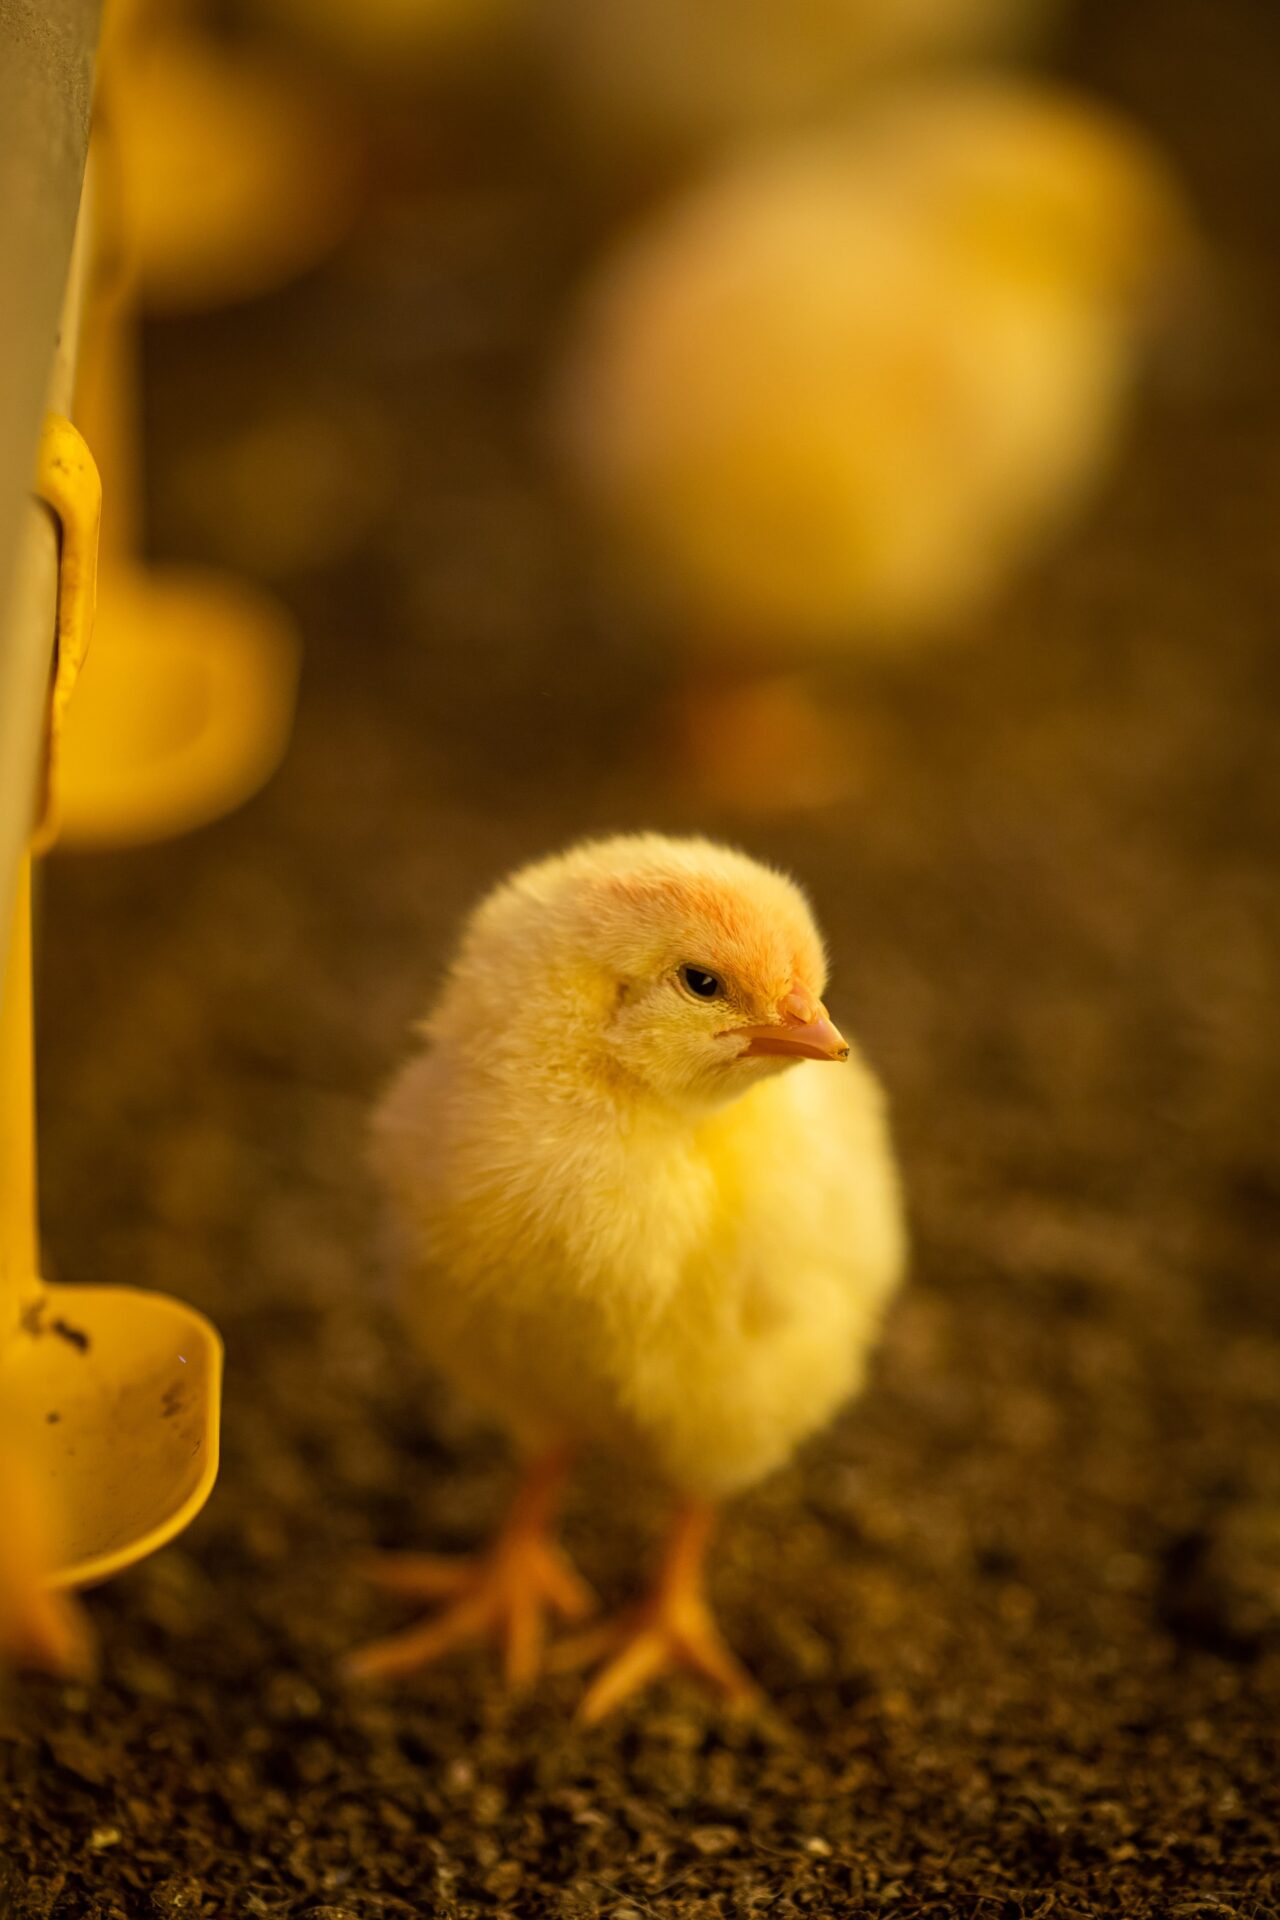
point(46, 79)
point(46, 68)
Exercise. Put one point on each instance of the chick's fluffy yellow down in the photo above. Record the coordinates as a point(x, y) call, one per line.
point(699, 1293)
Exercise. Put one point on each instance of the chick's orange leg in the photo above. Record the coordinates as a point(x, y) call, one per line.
point(674, 1628)
point(504, 1595)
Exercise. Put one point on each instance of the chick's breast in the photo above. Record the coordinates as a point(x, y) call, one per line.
point(540, 1233)
point(702, 1298)
point(780, 1302)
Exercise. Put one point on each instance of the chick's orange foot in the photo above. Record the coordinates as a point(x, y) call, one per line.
point(673, 1629)
point(504, 1594)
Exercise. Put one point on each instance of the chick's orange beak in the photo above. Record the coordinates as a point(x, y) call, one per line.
point(803, 1031)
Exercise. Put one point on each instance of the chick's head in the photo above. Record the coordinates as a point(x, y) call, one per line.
point(675, 969)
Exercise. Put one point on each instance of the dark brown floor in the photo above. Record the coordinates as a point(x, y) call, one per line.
point(1019, 1614)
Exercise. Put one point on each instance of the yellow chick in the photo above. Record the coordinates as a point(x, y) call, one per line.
point(649, 1206)
point(837, 395)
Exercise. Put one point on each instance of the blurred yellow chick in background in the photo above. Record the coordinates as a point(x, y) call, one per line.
point(838, 394)
point(649, 1207)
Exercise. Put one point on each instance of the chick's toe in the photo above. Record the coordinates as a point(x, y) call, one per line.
point(673, 1630)
point(504, 1594)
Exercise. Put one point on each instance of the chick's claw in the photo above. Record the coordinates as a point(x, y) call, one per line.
point(675, 1629)
point(647, 1643)
point(504, 1595)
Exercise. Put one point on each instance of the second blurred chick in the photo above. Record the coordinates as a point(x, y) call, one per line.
point(840, 393)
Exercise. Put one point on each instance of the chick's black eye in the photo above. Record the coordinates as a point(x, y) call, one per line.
point(701, 984)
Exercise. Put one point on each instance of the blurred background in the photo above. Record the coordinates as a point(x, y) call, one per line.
point(847, 429)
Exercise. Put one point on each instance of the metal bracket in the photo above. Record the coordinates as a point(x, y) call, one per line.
point(67, 482)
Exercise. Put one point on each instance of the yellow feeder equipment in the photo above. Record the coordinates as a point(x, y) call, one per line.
point(113, 1393)
point(184, 709)
point(186, 706)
